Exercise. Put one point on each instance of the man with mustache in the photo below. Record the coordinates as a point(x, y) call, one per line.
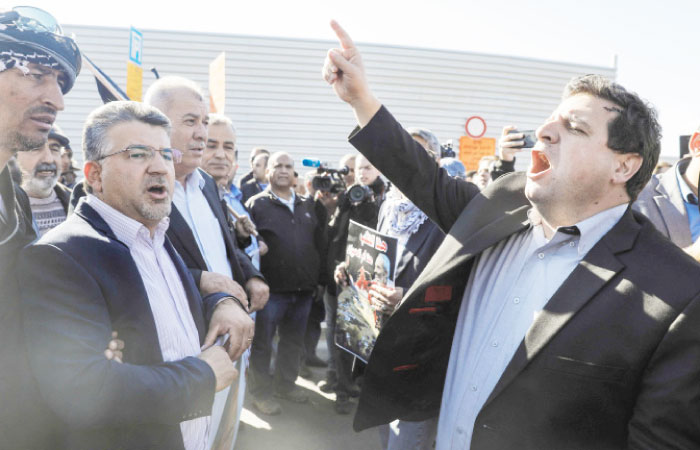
point(38, 66)
point(48, 198)
point(200, 230)
point(111, 267)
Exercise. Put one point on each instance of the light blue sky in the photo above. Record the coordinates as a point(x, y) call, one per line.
point(657, 43)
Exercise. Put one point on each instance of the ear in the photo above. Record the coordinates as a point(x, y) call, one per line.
point(628, 164)
point(694, 144)
point(93, 175)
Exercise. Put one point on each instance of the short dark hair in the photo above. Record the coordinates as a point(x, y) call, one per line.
point(636, 128)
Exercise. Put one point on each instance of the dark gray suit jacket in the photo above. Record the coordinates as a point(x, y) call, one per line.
point(80, 283)
point(662, 202)
point(611, 362)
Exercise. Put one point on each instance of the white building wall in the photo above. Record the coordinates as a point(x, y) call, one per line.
point(277, 99)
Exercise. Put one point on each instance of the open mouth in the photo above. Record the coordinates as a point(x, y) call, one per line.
point(539, 164)
point(46, 173)
point(157, 191)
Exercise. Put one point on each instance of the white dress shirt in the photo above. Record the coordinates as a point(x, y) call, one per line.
point(510, 284)
point(177, 332)
point(194, 207)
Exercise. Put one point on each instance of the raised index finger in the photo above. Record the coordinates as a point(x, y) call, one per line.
point(343, 36)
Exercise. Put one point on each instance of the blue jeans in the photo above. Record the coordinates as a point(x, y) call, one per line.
point(405, 435)
point(288, 314)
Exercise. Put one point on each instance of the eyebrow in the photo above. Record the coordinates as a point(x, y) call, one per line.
point(191, 116)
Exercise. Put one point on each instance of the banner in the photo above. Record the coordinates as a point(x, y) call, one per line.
point(370, 258)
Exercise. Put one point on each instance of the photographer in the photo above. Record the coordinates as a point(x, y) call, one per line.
point(360, 203)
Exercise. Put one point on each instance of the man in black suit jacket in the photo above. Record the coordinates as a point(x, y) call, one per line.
point(110, 267)
point(612, 358)
point(200, 229)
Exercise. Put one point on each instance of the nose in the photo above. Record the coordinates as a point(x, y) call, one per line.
point(52, 95)
point(46, 155)
point(219, 152)
point(548, 132)
point(200, 132)
point(158, 165)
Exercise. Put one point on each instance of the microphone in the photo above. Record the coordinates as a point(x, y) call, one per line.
point(311, 163)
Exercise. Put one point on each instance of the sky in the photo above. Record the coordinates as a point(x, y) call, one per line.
point(655, 45)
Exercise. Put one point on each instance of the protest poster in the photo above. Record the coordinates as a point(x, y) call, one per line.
point(370, 258)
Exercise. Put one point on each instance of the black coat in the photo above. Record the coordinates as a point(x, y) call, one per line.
point(25, 419)
point(296, 241)
point(611, 362)
point(80, 283)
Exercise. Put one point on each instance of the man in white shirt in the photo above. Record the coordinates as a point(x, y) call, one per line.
point(111, 267)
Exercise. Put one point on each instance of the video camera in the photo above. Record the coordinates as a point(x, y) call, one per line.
point(327, 180)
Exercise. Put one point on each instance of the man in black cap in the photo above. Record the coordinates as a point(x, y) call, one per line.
point(38, 66)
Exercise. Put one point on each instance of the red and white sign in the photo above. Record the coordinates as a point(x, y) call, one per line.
point(475, 127)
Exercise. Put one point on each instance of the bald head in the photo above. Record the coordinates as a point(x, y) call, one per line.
point(164, 91)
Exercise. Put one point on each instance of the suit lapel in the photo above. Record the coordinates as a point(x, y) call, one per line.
point(594, 271)
point(212, 195)
point(193, 297)
point(670, 203)
point(482, 224)
point(182, 233)
point(131, 316)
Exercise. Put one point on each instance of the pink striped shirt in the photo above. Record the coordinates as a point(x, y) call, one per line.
point(177, 333)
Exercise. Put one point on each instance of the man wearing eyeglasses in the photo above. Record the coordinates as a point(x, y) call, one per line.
point(38, 66)
point(111, 267)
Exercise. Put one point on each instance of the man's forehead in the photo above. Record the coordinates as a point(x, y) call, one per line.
point(221, 133)
point(284, 160)
point(587, 106)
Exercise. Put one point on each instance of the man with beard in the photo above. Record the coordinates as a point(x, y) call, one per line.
point(111, 267)
point(38, 65)
point(48, 198)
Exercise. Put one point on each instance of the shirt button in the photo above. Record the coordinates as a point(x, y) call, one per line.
point(494, 344)
point(460, 430)
point(516, 300)
point(572, 243)
point(473, 388)
point(540, 255)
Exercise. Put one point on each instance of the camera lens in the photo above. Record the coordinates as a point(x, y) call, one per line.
point(357, 193)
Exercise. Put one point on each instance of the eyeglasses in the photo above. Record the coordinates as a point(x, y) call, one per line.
point(144, 153)
point(37, 19)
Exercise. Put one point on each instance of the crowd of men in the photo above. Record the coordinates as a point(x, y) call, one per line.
point(552, 309)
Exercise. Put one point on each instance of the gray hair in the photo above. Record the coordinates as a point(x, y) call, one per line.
point(220, 119)
point(161, 93)
point(104, 118)
point(428, 136)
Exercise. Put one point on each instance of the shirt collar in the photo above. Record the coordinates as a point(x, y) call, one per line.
point(588, 231)
point(289, 202)
point(686, 192)
point(126, 229)
point(193, 180)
